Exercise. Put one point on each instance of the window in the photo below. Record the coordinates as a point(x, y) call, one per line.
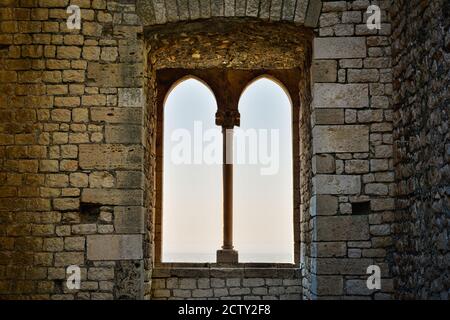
point(225, 172)
point(263, 189)
point(192, 191)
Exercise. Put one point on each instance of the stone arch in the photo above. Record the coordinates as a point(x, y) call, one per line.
point(279, 204)
point(179, 209)
point(285, 56)
point(304, 12)
point(184, 78)
point(272, 78)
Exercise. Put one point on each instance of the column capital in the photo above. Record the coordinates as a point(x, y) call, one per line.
point(228, 119)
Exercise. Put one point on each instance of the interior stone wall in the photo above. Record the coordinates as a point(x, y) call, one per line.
point(421, 65)
point(78, 160)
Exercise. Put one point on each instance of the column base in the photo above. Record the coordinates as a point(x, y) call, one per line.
point(227, 256)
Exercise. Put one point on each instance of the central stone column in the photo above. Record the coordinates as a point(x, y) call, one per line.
point(227, 119)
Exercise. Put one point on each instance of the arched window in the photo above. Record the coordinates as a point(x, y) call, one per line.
point(192, 175)
point(263, 179)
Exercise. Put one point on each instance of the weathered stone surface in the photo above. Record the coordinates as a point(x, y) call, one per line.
point(332, 139)
point(327, 286)
point(328, 116)
point(324, 71)
point(129, 280)
point(357, 287)
point(342, 228)
point(341, 266)
point(336, 184)
point(126, 134)
point(114, 75)
point(119, 197)
point(329, 249)
point(162, 11)
point(334, 95)
point(323, 205)
point(324, 163)
point(130, 179)
point(131, 97)
point(114, 247)
point(110, 157)
point(129, 219)
point(116, 115)
point(340, 47)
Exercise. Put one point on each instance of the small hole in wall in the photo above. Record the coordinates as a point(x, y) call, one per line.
point(89, 212)
point(361, 208)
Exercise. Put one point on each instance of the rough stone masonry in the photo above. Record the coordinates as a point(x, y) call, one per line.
point(78, 154)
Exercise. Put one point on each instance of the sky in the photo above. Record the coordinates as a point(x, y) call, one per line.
point(192, 178)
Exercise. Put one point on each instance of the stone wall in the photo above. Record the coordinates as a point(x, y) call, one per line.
point(78, 151)
point(421, 61)
point(71, 150)
point(348, 225)
point(218, 283)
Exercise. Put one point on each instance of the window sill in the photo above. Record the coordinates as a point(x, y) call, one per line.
point(214, 270)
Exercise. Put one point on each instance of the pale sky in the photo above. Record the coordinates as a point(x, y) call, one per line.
point(192, 195)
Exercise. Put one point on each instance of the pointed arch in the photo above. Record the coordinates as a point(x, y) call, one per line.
point(264, 190)
point(191, 197)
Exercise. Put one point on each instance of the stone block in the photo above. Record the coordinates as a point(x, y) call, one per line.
point(340, 47)
point(101, 179)
point(114, 247)
point(327, 285)
point(74, 243)
point(357, 287)
point(323, 163)
point(324, 71)
point(129, 219)
point(118, 197)
point(66, 204)
point(101, 274)
point(115, 74)
point(69, 258)
point(116, 115)
point(130, 179)
point(336, 184)
point(123, 134)
point(328, 116)
point(328, 249)
point(109, 157)
point(344, 138)
point(131, 97)
point(341, 266)
point(363, 75)
point(340, 228)
point(356, 166)
point(335, 95)
point(323, 205)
